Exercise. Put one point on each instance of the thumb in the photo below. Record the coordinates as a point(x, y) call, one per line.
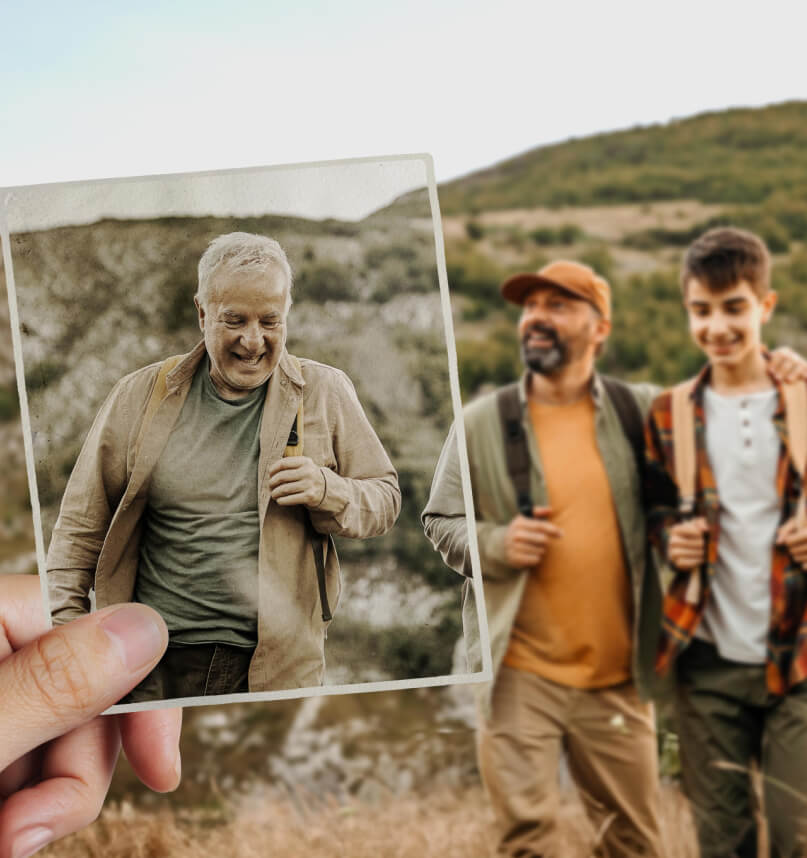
point(74, 672)
point(541, 511)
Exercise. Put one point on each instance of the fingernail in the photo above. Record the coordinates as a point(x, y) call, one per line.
point(178, 767)
point(30, 840)
point(136, 635)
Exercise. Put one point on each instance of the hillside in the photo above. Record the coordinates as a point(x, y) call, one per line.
point(99, 301)
point(628, 203)
point(732, 156)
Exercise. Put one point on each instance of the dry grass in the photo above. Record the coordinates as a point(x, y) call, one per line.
point(445, 824)
point(607, 223)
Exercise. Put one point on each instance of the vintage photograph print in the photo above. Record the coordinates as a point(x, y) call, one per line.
point(236, 389)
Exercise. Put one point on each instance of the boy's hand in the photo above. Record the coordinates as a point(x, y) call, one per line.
point(795, 538)
point(686, 548)
point(787, 366)
point(527, 539)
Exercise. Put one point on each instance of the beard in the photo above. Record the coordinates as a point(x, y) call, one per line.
point(545, 360)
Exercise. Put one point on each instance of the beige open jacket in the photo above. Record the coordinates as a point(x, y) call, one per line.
point(96, 537)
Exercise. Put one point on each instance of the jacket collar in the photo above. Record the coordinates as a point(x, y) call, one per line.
point(183, 372)
point(703, 378)
point(595, 387)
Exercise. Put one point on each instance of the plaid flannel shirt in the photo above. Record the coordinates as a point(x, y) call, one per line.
point(786, 662)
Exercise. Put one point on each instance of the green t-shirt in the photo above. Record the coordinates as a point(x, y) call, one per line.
point(199, 548)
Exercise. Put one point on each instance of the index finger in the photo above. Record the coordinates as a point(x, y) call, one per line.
point(539, 525)
point(287, 462)
point(541, 511)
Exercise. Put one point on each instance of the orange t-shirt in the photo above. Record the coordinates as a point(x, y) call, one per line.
point(574, 623)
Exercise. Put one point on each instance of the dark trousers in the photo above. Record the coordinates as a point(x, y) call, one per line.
point(726, 719)
point(195, 671)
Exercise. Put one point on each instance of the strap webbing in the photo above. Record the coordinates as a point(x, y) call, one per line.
point(157, 394)
point(294, 447)
point(795, 396)
point(630, 418)
point(683, 430)
point(515, 446)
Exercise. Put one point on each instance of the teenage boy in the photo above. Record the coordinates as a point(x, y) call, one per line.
point(738, 637)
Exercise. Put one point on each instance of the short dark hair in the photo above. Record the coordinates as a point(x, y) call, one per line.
point(724, 256)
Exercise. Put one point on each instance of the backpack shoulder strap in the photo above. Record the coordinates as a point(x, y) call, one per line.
point(795, 396)
point(294, 446)
point(157, 394)
point(515, 445)
point(630, 418)
point(683, 438)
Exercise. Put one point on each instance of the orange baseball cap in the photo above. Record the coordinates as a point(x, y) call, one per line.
point(573, 277)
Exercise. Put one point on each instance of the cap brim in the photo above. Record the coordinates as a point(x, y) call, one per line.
point(516, 288)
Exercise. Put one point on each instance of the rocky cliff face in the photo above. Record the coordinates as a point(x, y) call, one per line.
point(99, 301)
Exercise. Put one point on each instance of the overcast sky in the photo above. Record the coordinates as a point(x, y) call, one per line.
point(96, 89)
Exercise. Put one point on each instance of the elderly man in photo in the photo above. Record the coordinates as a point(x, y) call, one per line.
point(210, 483)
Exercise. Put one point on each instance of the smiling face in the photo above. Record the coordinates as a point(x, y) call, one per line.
point(244, 325)
point(727, 324)
point(557, 328)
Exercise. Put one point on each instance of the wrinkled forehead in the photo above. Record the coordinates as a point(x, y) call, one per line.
point(244, 286)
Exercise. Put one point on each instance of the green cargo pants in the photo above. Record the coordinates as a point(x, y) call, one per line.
point(726, 716)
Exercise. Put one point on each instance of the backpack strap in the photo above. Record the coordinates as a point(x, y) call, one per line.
point(630, 418)
point(795, 396)
point(294, 447)
point(157, 394)
point(515, 446)
point(683, 438)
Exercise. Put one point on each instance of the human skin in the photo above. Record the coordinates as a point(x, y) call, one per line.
point(57, 753)
point(244, 325)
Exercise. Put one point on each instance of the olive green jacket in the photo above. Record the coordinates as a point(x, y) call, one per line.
point(95, 540)
point(495, 506)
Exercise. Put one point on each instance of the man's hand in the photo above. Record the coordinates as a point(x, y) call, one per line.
point(527, 539)
point(795, 538)
point(787, 366)
point(686, 548)
point(297, 480)
point(56, 756)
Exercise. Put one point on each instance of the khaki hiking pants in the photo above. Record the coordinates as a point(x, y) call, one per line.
point(610, 741)
point(726, 715)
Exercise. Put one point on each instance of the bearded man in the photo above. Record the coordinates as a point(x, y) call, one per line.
point(563, 580)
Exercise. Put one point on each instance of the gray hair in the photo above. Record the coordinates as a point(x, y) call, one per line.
point(241, 252)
